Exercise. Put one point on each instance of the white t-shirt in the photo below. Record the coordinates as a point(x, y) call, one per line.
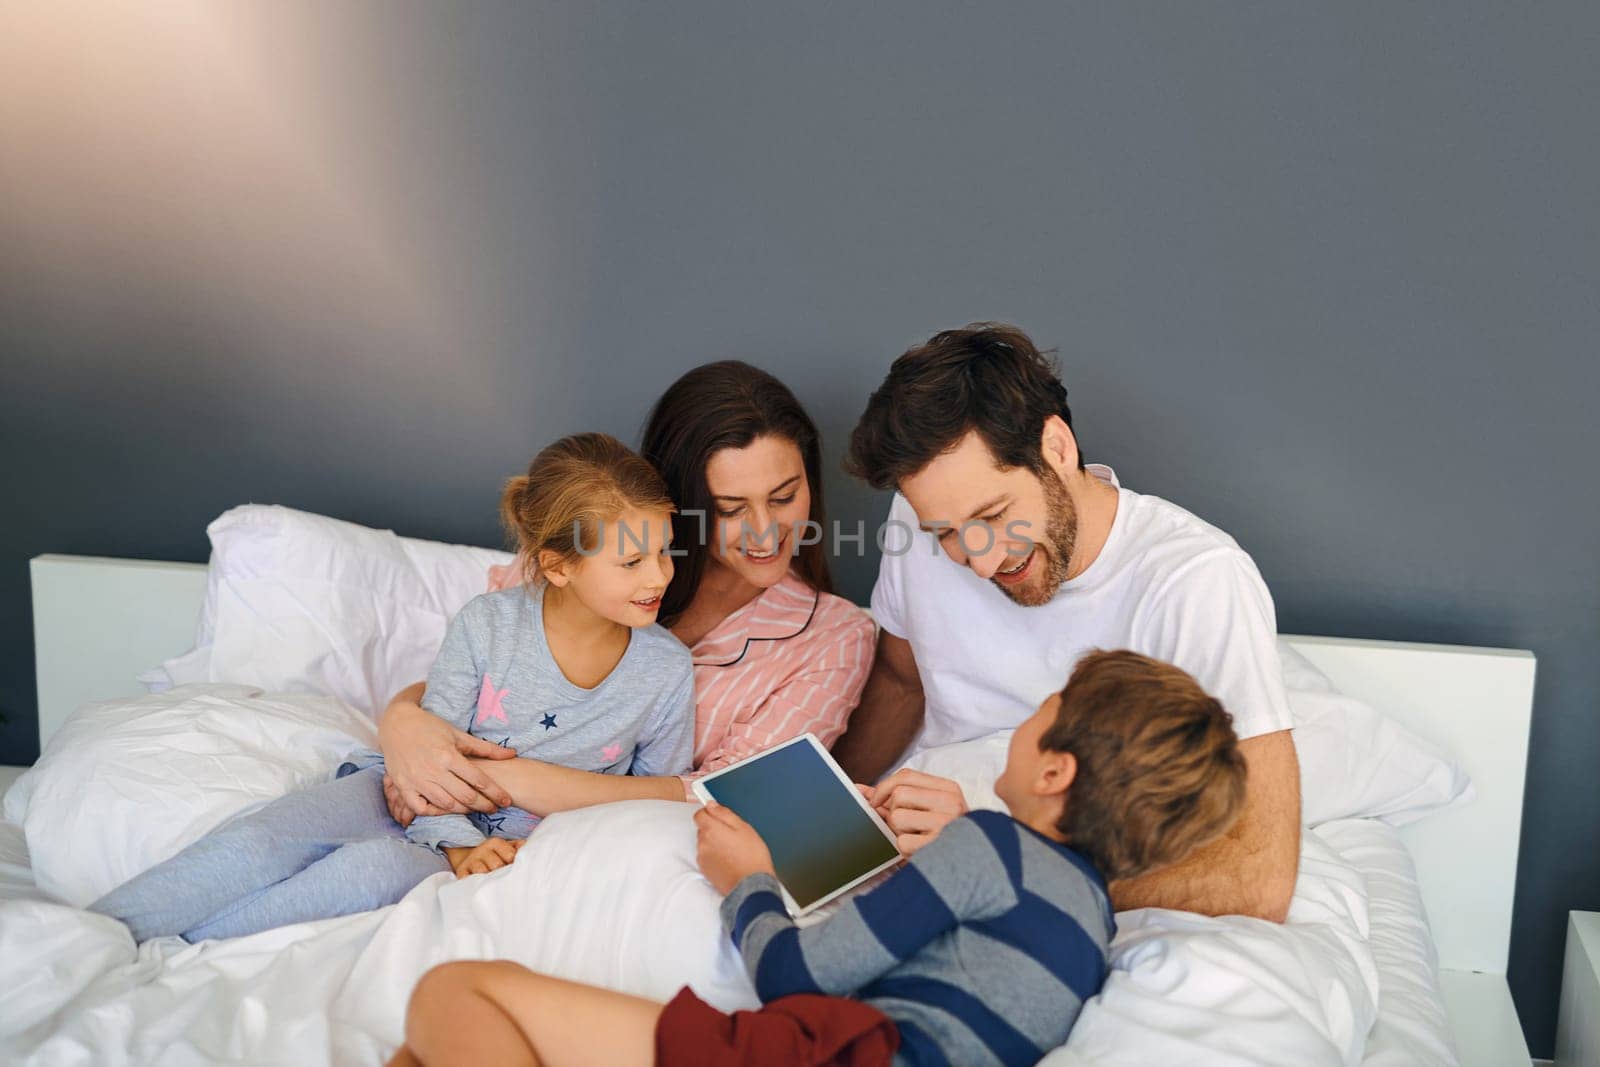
point(1166, 585)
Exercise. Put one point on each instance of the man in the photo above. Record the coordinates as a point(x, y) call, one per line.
point(1006, 558)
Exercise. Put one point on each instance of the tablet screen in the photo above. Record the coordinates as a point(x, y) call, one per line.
point(819, 837)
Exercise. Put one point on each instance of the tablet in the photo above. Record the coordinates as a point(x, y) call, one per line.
point(823, 835)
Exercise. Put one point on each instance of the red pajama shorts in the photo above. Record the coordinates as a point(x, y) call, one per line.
point(798, 1031)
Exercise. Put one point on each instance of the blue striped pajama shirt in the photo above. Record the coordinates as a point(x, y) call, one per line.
point(982, 949)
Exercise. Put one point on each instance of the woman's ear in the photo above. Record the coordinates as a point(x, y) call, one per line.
point(1058, 445)
point(1057, 770)
point(555, 568)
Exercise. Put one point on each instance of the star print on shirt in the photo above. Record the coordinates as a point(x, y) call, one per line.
point(493, 824)
point(504, 742)
point(611, 752)
point(548, 721)
point(491, 702)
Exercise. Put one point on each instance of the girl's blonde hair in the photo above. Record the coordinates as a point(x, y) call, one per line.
point(572, 489)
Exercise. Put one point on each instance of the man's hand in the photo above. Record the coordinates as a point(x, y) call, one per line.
point(493, 854)
point(428, 769)
point(730, 848)
point(916, 806)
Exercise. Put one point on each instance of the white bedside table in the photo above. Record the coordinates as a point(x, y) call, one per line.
point(1578, 1025)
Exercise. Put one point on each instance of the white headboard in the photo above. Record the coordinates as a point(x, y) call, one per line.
point(98, 623)
point(1475, 704)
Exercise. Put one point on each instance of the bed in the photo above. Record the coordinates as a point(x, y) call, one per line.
point(1434, 921)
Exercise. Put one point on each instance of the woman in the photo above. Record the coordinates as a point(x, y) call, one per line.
point(776, 653)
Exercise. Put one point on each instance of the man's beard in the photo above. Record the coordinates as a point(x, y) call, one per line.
point(1060, 537)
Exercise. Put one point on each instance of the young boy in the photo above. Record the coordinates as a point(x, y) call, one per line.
point(981, 950)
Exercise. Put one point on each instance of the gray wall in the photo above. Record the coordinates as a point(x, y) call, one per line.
point(1325, 276)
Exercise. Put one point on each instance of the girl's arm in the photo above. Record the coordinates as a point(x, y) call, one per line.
point(665, 748)
point(545, 788)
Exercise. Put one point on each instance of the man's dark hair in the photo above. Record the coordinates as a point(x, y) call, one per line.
point(987, 377)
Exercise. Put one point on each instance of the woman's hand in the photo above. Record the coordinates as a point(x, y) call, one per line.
point(730, 848)
point(494, 853)
point(916, 806)
point(428, 769)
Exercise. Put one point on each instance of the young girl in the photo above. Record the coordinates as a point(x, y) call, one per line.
point(567, 668)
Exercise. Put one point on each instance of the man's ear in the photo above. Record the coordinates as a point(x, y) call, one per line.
point(555, 568)
point(1056, 774)
point(1059, 445)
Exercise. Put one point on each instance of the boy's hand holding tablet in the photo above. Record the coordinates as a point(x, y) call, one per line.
point(915, 805)
point(791, 812)
point(730, 848)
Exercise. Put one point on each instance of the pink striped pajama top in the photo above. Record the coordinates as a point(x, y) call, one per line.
point(791, 661)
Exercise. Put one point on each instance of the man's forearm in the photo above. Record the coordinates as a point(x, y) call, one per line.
point(1250, 870)
point(546, 788)
point(889, 715)
point(879, 732)
point(1222, 878)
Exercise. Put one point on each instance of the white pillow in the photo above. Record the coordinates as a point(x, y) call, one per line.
point(610, 895)
point(1354, 761)
point(297, 602)
point(125, 784)
point(1193, 989)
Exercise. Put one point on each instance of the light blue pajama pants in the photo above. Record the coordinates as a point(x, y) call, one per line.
point(329, 850)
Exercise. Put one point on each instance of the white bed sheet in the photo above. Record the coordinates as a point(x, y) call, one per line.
point(612, 895)
point(78, 991)
point(1412, 1029)
point(300, 995)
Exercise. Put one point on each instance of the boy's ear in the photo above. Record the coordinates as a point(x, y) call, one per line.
point(555, 568)
point(1056, 773)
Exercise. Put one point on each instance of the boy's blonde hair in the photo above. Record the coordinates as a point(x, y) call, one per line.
point(1159, 769)
point(572, 489)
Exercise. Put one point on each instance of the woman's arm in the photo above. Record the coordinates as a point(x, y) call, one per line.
point(426, 760)
point(546, 788)
point(667, 744)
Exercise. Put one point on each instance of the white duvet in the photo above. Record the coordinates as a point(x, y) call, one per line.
point(609, 895)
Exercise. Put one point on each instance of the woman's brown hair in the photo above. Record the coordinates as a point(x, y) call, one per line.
point(1159, 769)
point(727, 404)
point(573, 487)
